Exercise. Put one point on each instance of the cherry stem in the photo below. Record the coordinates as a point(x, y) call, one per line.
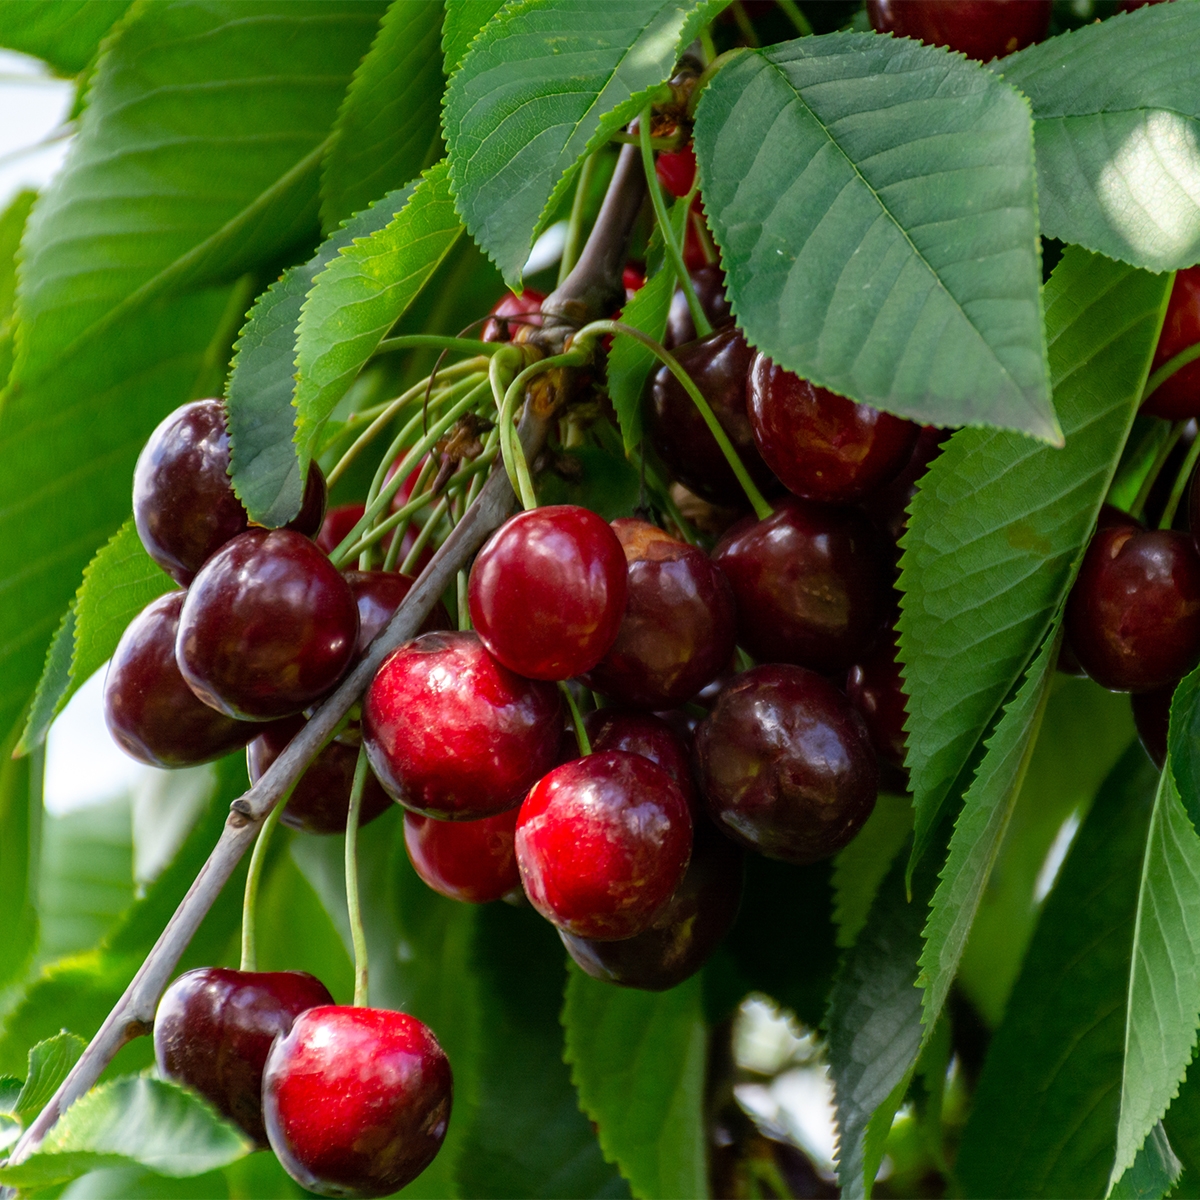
point(1164, 452)
point(571, 243)
point(1169, 368)
point(585, 745)
point(357, 936)
point(798, 19)
point(250, 898)
point(1182, 478)
point(400, 522)
point(423, 538)
point(434, 341)
point(670, 241)
point(743, 24)
point(599, 328)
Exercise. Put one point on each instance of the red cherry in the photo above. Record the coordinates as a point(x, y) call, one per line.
point(645, 734)
point(378, 594)
point(312, 505)
point(876, 688)
point(821, 445)
point(810, 583)
point(708, 282)
point(1152, 719)
point(602, 843)
point(888, 505)
point(676, 170)
point(678, 630)
point(268, 626)
point(510, 313)
point(453, 734)
point(980, 29)
point(356, 1100)
point(786, 764)
point(151, 712)
point(214, 1028)
point(1178, 398)
point(471, 861)
point(338, 522)
point(633, 279)
point(1133, 616)
point(547, 592)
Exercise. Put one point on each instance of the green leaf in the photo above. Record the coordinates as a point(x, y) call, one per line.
point(859, 869)
point(1117, 154)
point(594, 478)
point(49, 1062)
point(12, 226)
point(1153, 1172)
point(388, 130)
point(66, 33)
point(629, 362)
point(258, 394)
point(464, 19)
point(539, 88)
point(874, 202)
point(1044, 1119)
point(1182, 1124)
point(361, 294)
point(148, 1121)
point(638, 1061)
point(1000, 522)
point(20, 836)
point(1184, 743)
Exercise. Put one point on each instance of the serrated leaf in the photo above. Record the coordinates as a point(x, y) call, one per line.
point(874, 203)
point(859, 869)
point(629, 362)
point(1182, 1125)
point(133, 1119)
point(389, 129)
point(1153, 1172)
point(360, 296)
point(638, 1061)
point(1044, 1119)
point(66, 33)
point(1117, 150)
point(464, 19)
point(539, 88)
point(49, 1062)
point(20, 836)
point(1184, 743)
point(1000, 522)
point(262, 378)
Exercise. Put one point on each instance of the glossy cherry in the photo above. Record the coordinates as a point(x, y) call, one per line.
point(510, 313)
point(821, 445)
point(810, 583)
point(268, 626)
point(547, 592)
point(452, 733)
point(378, 594)
point(786, 764)
point(356, 1100)
point(876, 688)
point(683, 936)
point(214, 1028)
point(645, 734)
point(1133, 616)
point(471, 861)
point(1178, 397)
point(678, 630)
point(321, 800)
point(980, 29)
point(708, 282)
point(602, 843)
point(718, 366)
point(151, 712)
point(1152, 719)
point(676, 170)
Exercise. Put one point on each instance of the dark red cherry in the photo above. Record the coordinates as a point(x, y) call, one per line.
point(471, 861)
point(888, 505)
point(645, 734)
point(821, 445)
point(1133, 616)
point(875, 687)
point(1152, 719)
point(633, 279)
point(786, 764)
point(810, 583)
point(1178, 397)
point(337, 524)
point(602, 843)
point(718, 366)
point(510, 313)
point(683, 936)
point(312, 506)
point(214, 1028)
point(356, 1100)
point(708, 282)
point(268, 626)
point(547, 592)
point(678, 630)
point(151, 712)
point(321, 800)
point(453, 734)
point(378, 594)
point(980, 29)
point(676, 170)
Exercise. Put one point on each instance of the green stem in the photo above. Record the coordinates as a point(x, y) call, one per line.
point(250, 897)
point(423, 538)
point(435, 341)
point(1181, 481)
point(743, 24)
point(402, 522)
point(599, 328)
point(357, 936)
point(1169, 368)
point(1164, 452)
point(707, 45)
point(670, 241)
point(574, 236)
point(585, 745)
point(797, 18)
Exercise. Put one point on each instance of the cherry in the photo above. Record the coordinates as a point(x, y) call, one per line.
point(888, 505)
point(708, 282)
point(471, 861)
point(1178, 397)
point(683, 936)
point(980, 29)
point(633, 279)
point(312, 505)
point(676, 170)
point(876, 688)
point(151, 712)
point(718, 366)
point(602, 843)
point(821, 445)
point(356, 1100)
point(678, 630)
point(547, 592)
point(1152, 719)
point(786, 764)
point(214, 1028)
point(378, 594)
point(1133, 616)
point(268, 626)
point(510, 313)
point(321, 800)
point(645, 734)
point(810, 582)
point(452, 733)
